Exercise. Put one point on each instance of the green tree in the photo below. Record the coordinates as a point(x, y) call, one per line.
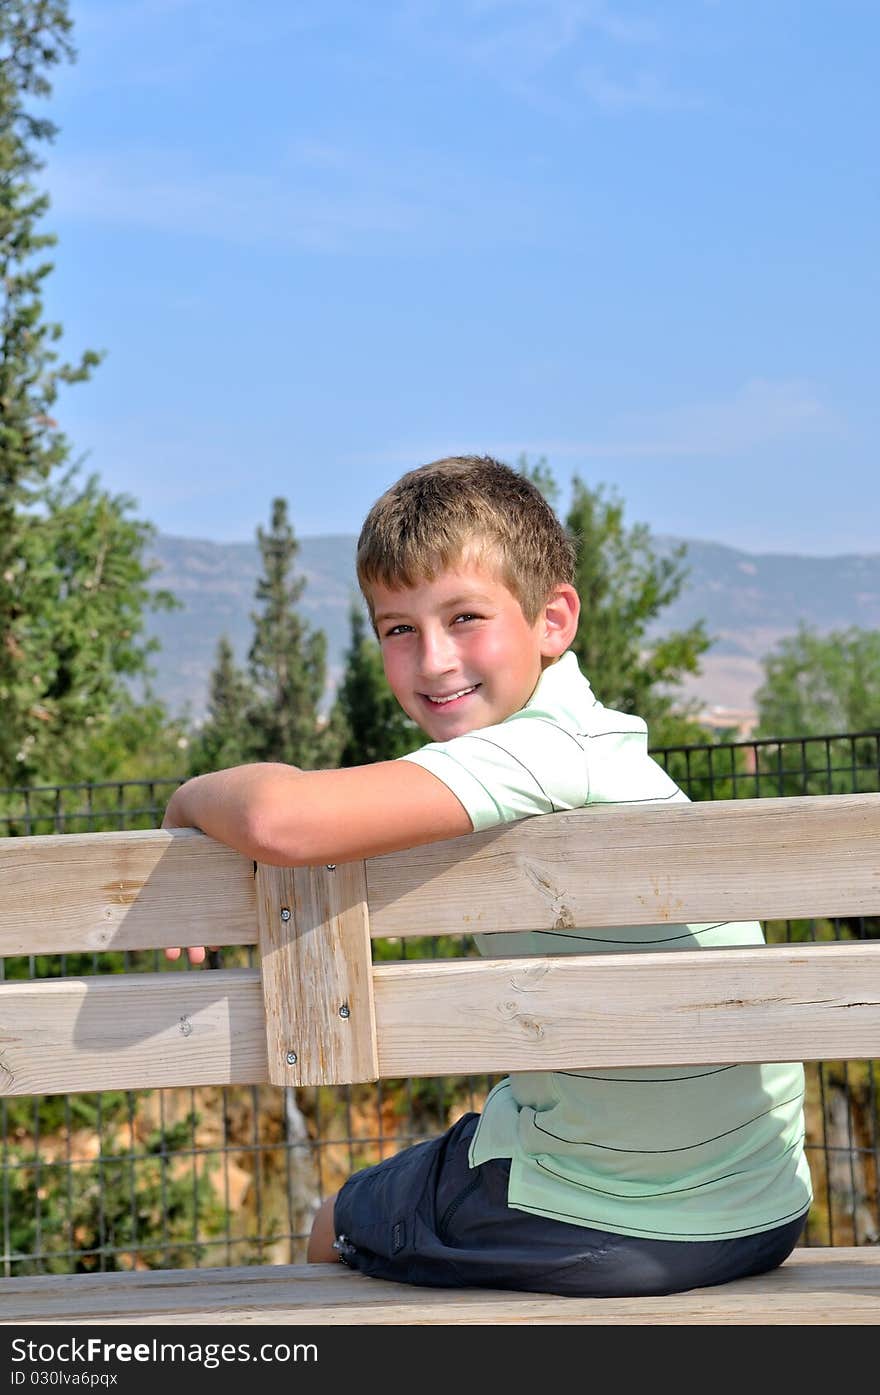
point(271, 709)
point(821, 686)
point(287, 660)
point(822, 690)
point(225, 738)
point(816, 685)
point(370, 721)
point(624, 584)
point(136, 1208)
point(541, 476)
point(73, 582)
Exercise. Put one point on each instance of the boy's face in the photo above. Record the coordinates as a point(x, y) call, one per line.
point(462, 637)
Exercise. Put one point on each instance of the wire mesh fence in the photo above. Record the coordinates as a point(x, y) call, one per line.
point(220, 1176)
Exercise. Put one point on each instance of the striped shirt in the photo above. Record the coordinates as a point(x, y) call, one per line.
point(676, 1153)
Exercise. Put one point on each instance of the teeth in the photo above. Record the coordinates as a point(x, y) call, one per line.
point(453, 696)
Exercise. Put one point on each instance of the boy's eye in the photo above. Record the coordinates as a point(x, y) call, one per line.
point(399, 629)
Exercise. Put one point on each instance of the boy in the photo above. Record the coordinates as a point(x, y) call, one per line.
point(574, 1182)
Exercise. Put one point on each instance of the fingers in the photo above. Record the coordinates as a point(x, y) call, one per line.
point(196, 953)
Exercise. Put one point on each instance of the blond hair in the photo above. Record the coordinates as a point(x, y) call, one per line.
point(465, 507)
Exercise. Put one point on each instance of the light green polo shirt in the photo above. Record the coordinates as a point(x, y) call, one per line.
point(670, 1153)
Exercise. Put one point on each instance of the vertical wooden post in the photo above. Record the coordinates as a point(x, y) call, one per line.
point(316, 962)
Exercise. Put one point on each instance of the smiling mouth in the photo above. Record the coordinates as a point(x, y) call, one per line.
point(453, 699)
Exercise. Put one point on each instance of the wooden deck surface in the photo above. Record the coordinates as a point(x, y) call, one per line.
point(814, 1286)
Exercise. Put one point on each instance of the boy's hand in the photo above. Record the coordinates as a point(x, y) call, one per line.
point(196, 954)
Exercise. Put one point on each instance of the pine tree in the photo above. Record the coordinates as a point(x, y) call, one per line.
point(367, 714)
point(287, 660)
point(73, 583)
point(225, 738)
point(624, 584)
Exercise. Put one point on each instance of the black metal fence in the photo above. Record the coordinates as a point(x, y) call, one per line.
point(233, 1175)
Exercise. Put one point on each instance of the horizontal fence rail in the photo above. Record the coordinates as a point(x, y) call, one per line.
point(771, 859)
point(716, 1007)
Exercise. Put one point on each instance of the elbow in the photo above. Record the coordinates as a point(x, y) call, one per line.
point(270, 836)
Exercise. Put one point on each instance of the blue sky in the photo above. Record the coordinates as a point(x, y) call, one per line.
point(322, 241)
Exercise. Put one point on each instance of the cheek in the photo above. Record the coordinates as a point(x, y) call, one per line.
point(394, 665)
point(484, 645)
point(496, 654)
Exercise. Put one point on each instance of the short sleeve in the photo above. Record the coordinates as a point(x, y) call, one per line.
point(524, 766)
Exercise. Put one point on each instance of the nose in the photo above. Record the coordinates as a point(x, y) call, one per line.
point(437, 652)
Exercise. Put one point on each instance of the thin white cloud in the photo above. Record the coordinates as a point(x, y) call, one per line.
point(532, 31)
point(629, 29)
point(549, 52)
point(643, 92)
point(759, 414)
point(321, 198)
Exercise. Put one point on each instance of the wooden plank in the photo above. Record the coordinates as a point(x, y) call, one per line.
point(813, 1286)
point(605, 865)
point(450, 1017)
point(316, 965)
point(647, 864)
point(131, 1031)
point(77, 892)
point(705, 1007)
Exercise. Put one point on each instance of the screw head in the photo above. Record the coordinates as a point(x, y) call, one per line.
point(345, 1010)
point(291, 1058)
point(285, 913)
point(330, 866)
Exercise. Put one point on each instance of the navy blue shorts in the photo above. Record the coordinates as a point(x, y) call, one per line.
point(426, 1217)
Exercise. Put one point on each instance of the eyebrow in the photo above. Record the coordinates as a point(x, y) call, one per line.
point(469, 598)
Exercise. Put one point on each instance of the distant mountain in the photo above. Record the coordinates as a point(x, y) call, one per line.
point(752, 600)
point(216, 583)
point(748, 600)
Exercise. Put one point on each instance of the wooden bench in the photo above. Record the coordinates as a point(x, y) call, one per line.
point(318, 1010)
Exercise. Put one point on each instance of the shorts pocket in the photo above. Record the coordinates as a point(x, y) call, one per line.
point(443, 1225)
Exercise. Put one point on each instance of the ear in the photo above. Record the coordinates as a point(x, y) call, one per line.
point(559, 621)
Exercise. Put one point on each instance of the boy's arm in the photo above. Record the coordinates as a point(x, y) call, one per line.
point(299, 818)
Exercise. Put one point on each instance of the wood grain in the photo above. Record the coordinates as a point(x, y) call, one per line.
point(740, 859)
point(76, 892)
point(131, 1031)
point(604, 865)
point(449, 1017)
point(814, 1287)
point(704, 1007)
point(315, 961)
